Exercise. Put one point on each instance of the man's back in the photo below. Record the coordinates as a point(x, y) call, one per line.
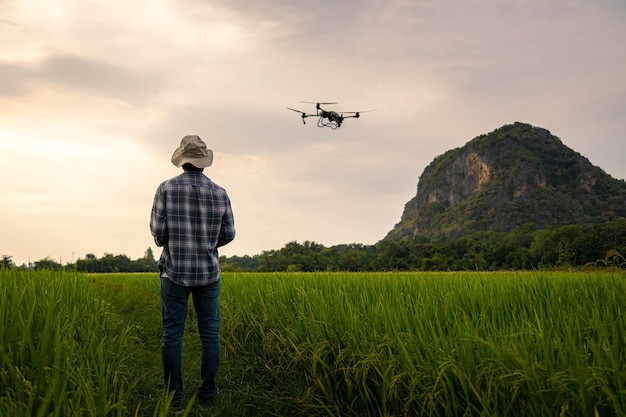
point(191, 218)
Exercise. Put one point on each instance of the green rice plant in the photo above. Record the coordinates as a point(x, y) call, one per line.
point(61, 352)
point(470, 344)
point(134, 298)
point(342, 344)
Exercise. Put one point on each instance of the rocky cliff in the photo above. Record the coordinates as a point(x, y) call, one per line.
point(515, 175)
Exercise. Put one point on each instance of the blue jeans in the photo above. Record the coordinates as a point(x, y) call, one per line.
point(174, 300)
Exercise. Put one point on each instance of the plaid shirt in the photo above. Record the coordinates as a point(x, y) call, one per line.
point(191, 217)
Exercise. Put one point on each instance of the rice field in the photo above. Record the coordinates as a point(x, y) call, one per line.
point(61, 353)
point(324, 344)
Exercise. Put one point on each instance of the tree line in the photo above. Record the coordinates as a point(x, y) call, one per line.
point(526, 247)
point(91, 263)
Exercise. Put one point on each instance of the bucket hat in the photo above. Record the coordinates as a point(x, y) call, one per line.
point(194, 151)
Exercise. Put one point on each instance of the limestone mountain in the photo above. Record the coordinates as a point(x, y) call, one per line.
point(515, 175)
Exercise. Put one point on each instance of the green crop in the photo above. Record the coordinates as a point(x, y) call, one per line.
point(61, 353)
point(498, 344)
point(324, 344)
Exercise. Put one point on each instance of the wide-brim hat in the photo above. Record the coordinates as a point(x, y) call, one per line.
point(194, 151)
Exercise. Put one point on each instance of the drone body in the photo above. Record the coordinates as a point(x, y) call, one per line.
point(327, 118)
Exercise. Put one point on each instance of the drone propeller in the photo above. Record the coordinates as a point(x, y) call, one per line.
point(317, 105)
point(297, 111)
point(356, 114)
point(315, 102)
point(304, 115)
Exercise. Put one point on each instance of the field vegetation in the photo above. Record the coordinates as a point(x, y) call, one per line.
point(595, 245)
point(62, 353)
point(323, 344)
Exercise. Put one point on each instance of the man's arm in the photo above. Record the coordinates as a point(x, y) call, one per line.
point(227, 230)
point(158, 218)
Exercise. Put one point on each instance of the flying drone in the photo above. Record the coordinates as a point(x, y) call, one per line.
point(328, 118)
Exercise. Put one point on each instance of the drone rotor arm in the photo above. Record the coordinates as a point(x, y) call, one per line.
point(302, 114)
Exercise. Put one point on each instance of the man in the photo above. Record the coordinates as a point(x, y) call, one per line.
point(191, 217)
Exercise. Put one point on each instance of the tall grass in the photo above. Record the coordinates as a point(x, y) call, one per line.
point(61, 353)
point(377, 344)
point(499, 344)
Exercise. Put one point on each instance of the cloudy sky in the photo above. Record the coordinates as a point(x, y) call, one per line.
point(96, 95)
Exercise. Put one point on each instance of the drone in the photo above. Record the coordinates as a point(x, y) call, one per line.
point(328, 118)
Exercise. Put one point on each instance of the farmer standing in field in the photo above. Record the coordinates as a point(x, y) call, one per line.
point(191, 217)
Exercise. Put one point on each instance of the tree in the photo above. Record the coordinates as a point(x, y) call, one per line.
point(393, 255)
point(47, 263)
point(7, 262)
point(148, 254)
point(147, 263)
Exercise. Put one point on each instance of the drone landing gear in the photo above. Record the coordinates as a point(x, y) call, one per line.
point(332, 125)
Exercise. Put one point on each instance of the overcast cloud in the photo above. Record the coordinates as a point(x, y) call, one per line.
point(96, 95)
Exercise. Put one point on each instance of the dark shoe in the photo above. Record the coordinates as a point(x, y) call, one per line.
point(207, 399)
point(207, 393)
point(176, 406)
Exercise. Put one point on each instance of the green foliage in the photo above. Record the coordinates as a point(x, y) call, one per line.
point(325, 344)
point(117, 263)
point(239, 263)
point(525, 247)
point(311, 256)
point(61, 353)
point(135, 298)
point(48, 264)
point(6, 262)
point(613, 258)
point(505, 344)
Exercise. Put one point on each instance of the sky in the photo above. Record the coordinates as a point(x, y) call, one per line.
point(96, 95)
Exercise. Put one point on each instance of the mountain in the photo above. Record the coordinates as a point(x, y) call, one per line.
point(515, 175)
